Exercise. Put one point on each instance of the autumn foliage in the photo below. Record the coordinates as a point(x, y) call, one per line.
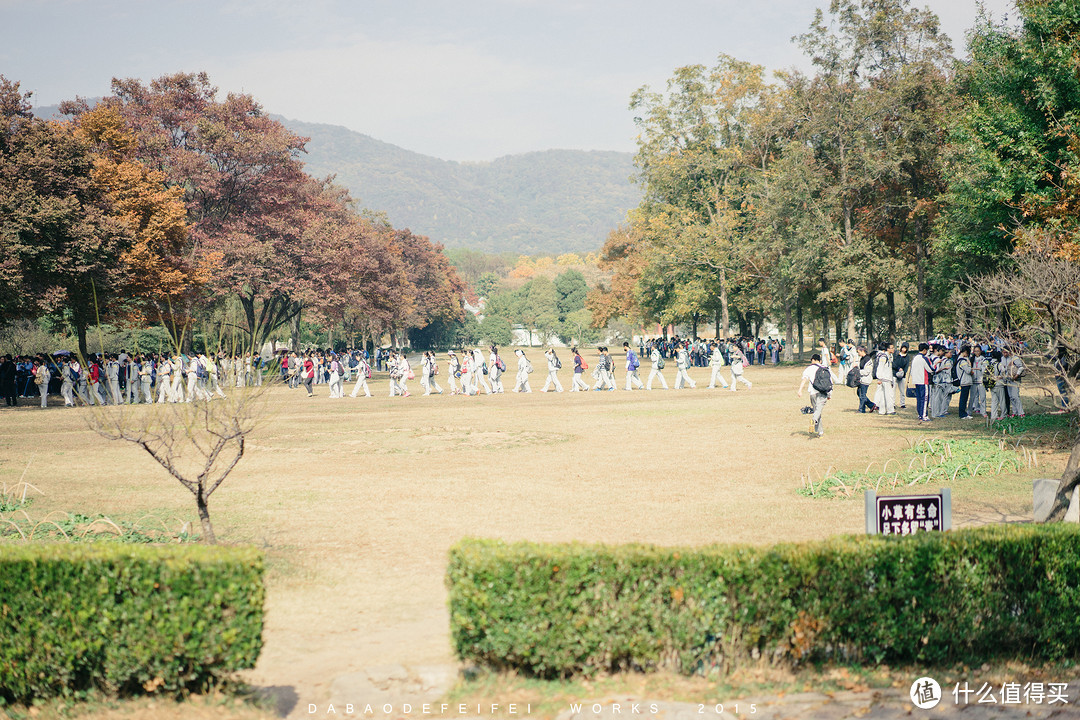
point(164, 201)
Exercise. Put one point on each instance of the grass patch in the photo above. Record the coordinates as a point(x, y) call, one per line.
point(59, 526)
point(930, 460)
point(1064, 424)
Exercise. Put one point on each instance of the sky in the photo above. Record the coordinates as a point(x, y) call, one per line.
point(467, 80)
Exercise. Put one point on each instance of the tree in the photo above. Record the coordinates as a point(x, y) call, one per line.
point(570, 291)
point(487, 284)
point(61, 240)
point(198, 443)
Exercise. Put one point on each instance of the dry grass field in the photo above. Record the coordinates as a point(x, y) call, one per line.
point(356, 501)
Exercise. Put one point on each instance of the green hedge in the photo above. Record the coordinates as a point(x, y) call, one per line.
point(122, 618)
point(965, 596)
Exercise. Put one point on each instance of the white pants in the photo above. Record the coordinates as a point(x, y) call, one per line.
point(632, 380)
point(335, 384)
point(480, 382)
point(68, 391)
point(817, 401)
point(522, 382)
point(682, 379)
point(496, 381)
point(44, 390)
point(215, 387)
point(114, 391)
point(736, 378)
point(977, 400)
point(177, 388)
point(165, 388)
point(655, 373)
point(885, 397)
point(901, 390)
point(715, 376)
point(579, 383)
point(1015, 407)
point(552, 379)
point(361, 383)
point(147, 392)
point(997, 402)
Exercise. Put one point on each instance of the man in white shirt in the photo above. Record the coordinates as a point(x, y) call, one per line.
point(813, 377)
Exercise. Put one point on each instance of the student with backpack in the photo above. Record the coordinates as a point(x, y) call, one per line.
point(553, 367)
point(524, 367)
point(716, 361)
point(632, 377)
point(656, 358)
point(820, 379)
point(965, 377)
point(866, 376)
point(885, 395)
point(497, 368)
point(921, 372)
point(580, 366)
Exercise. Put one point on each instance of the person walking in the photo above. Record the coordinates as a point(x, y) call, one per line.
point(553, 367)
point(524, 367)
point(656, 360)
point(7, 381)
point(819, 377)
point(405, 374)
point(480, 372)
point(307, 374)
point(336, 389)
point(580, 366)
point(1012, 369)
point(921, 372)
point(632, 377)
point(496, 368)
point(716, 362)
point(146, 378)
point(977, 403)
point(453, 371)
point(885, 395)
point(363, 372)
point(738, 361)
point(901, 363)
point(112, 375)
point(966, 377)
point(866, 376)
point(608, 370)
point(41, 380)
point(67, 383)
point(682, 363)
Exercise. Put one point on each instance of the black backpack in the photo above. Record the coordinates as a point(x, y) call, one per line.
point(877, 362)
point(558, 362)
point(822, 380)
point(852, 379)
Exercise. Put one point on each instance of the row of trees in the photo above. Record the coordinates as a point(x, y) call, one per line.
point(163, 204)
point(857, 197)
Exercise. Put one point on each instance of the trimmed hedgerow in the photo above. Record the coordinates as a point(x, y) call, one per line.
point(125, 619)
point(935, 598)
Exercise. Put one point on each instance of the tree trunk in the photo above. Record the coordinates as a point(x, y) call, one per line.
point(920, 291)
point(869, 319)
point(788, 335)
point(693, 325)
point(851, 316)
point(929, 323)
point(1070, 478)
point(890, 300)
point(204, 518)
point(824, 313)
point(294, 332)
point(725, 317)
point(798, 315)
point(717, 328)
point(80, 330)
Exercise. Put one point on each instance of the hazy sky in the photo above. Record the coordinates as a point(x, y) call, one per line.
point(457, 79)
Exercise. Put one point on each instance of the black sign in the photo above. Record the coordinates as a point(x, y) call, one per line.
point(910, 514)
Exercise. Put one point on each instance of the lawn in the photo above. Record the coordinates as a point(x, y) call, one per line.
point(356, 501)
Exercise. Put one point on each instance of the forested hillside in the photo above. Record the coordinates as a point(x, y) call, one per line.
point(543, 202)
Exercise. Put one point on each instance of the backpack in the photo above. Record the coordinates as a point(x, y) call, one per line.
point(500, 364)
point(822, 380)
point(852, 379)
point(660, 363)
point(877, 363)
point(200, 370)
point(528, 366)
point(558, 362)
point(954, 374)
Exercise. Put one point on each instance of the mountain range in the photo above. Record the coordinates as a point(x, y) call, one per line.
point(552, 201)
point(547, 202)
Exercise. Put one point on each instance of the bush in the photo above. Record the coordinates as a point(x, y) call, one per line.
point(966, 596)
point(124, 619)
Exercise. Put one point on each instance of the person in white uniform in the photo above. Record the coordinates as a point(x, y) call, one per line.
point(524, 367)
point(657, 361)
point(682, 363)
point(553, 367)
point(716, 362)
point(496, 368)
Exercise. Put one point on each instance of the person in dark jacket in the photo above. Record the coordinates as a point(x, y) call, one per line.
point(7, 381)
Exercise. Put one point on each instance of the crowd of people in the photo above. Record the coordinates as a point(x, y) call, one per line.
point(481, 370)
point(984, 373)
point(127, 378)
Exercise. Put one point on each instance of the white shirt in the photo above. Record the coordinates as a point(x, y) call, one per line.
point(808, 375)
